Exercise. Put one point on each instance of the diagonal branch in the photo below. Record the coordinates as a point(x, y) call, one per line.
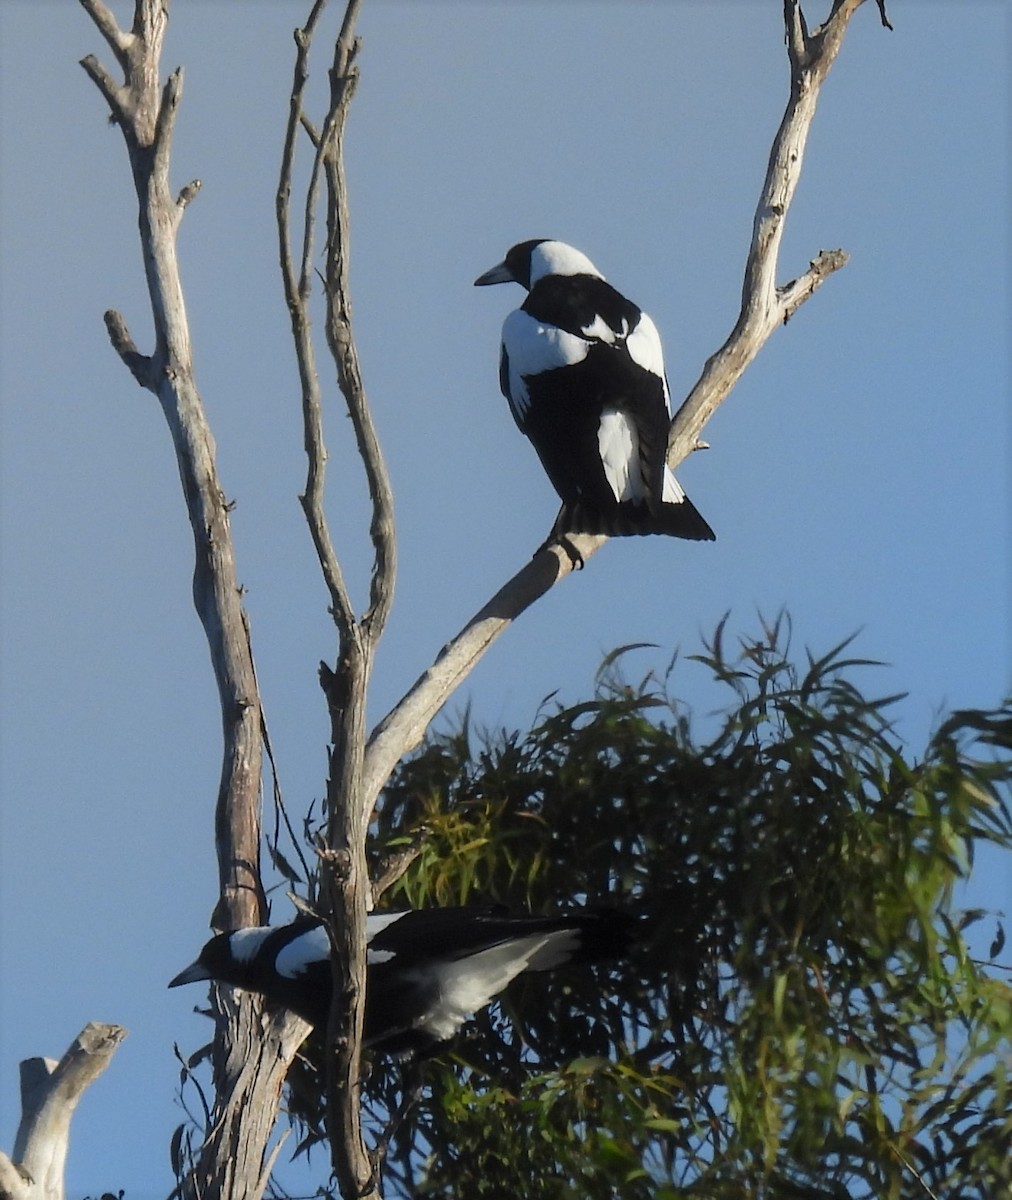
point(404, 726)
point(764, 306)
point(116, 96)
point(119, 42)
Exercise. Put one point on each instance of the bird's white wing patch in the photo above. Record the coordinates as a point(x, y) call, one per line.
point(533, 347)
point(671, 492)
point(599, 330)
point(376, 922)
point(618, 445)
point(644, 346)
point(244, 943)
point(468, 984)
point(302, 952)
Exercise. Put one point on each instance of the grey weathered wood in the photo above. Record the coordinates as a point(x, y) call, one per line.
point(345, 885)
point(251, 1052)
point(50, 1092)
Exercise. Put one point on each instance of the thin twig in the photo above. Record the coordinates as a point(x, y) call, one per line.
point(340, 339)
point(297, 294)
point(116, 95)
point(105, 22)
point(905, 1162)
point(763, 305)
point(792, 295)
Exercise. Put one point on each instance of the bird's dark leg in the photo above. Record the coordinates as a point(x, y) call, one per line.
point(574, 555)
point(557, 537)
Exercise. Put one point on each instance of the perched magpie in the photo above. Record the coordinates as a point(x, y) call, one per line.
point(583, 372)
point(428, 970)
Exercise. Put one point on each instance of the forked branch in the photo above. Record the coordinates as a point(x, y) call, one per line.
point(343, 81)
point(345, 881)
point(764, 304)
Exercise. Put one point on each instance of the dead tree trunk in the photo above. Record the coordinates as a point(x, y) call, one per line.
point(251, 1051)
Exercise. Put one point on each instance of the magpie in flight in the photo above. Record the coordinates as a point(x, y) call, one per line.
point(583, 372)
point(427, 970)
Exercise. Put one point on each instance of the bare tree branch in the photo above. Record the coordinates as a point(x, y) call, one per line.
point(297, 287)
point(258, 1048)
point(392, 866)
point(345, 882)
point(346, 877)
point(116, 96)
point(764, 306)
point(169, 374)
point(119, 42)
point(140, 365)
point(405, 725)
point(343, 81)
point(794, 294)
point(50, 1092)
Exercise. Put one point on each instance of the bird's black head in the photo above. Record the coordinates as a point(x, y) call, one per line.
point(518, 260)
point(219, 960)
point(515, 267)
point(528, 262)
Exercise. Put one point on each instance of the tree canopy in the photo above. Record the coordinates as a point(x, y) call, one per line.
point(801, 1015)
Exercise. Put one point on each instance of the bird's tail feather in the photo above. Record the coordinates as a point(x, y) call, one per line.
point(634, 518)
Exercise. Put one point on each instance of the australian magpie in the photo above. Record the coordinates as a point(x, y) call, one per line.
point(428, 970)
point(583, 371)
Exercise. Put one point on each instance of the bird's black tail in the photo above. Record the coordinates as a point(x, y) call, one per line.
point(584, 937)
point(634, 518)
point(605, 934)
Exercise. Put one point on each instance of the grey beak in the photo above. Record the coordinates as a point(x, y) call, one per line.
point(194, 973)
point(499, 274)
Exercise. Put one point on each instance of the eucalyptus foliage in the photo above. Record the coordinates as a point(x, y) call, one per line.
point(800, 1017)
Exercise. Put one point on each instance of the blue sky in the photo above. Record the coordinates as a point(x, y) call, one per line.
point(859, 474)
